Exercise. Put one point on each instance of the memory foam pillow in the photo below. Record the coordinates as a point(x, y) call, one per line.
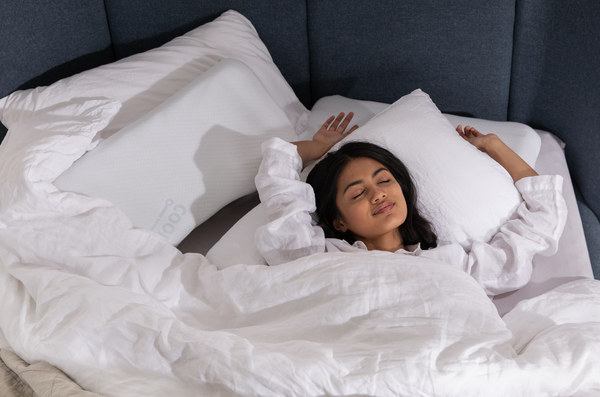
point(199, 150)
point(143, 81)
point(464, 193)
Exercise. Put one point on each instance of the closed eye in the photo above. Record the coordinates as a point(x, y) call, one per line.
point(358, 195)
point(386, 181)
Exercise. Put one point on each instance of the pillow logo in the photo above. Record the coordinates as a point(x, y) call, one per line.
point(168, 222)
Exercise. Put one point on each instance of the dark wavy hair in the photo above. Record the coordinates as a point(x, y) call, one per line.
point(324, 180)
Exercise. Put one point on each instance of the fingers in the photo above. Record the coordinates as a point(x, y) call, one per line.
point(346, 121)
point(354, 128)
point(339, 123)
point(336, 122)
point(468, 132)
point(327, 123)
point(471, 131)
point(460, 131)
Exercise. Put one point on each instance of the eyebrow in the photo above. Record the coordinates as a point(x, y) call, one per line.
point(361, 181)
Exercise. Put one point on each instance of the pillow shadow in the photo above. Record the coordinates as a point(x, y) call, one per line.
point(228, 161)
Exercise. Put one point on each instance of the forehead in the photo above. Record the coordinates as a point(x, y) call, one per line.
point(360, 168)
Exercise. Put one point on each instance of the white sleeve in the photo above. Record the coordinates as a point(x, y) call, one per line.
point(505, 263)
point(290, 233)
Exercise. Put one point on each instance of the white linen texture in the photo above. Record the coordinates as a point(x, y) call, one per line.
point(124, 313)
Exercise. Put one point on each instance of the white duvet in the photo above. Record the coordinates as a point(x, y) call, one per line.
point(124, 313)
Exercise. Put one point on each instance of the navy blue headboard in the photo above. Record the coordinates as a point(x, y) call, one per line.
point(460, 53)
point(44, 41)
point(532, 61)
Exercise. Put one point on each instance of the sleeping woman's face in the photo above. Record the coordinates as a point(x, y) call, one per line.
point(370, 202)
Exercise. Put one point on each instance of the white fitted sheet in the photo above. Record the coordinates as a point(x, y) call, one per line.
point(572, 260)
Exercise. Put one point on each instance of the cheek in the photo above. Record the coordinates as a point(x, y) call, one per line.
point(341, 209)
point(404, 205)
point(355, 216)
point(346, 210)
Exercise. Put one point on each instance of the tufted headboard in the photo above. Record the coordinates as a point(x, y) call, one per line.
point(531, 61)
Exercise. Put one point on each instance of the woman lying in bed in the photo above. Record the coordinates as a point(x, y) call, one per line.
point(366, 200)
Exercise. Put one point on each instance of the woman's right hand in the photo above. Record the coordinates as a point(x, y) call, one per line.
point(333, 130)
point(330, 133)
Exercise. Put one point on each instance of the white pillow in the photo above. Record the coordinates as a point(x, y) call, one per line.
point(196, 152)
point(333, 105)
point(143, 81)
point(465, 194)
point(237, 245)
point(519, 137)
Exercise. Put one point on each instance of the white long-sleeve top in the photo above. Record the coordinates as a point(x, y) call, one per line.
point(504, 264)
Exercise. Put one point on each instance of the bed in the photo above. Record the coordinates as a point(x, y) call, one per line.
point(163, 305)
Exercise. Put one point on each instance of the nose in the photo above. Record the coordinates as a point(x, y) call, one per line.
point(378, 195)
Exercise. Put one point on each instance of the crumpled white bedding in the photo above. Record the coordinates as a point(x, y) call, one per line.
point(124, 313)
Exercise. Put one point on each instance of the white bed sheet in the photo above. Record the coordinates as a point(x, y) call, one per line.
point(572, 260)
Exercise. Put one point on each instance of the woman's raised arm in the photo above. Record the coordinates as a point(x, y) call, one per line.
point(330, 133)
point(499, 151)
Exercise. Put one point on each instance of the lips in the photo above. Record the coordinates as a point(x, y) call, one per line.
point(383, 208)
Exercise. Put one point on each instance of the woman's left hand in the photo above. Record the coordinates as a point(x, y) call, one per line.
point(499, 151)
point(476, 138)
